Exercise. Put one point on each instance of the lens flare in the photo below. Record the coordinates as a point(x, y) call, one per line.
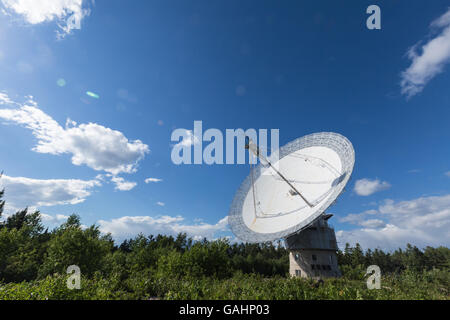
point(61, 82)
point(93, 95)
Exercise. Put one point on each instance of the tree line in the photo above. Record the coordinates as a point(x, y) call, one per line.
point(29, 251)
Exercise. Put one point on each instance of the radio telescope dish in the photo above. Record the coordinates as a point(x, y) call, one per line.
point(284, 197)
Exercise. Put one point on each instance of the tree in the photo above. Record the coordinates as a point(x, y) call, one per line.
point(17, 220)
point(437, 257)
point(2, 202)
point(414, 257)
point(22, 246)
point(203, 259)
point(71, 245)
point(22, 219)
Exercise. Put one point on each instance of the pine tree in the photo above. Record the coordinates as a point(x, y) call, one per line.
point(17, 220)
point(2, 202)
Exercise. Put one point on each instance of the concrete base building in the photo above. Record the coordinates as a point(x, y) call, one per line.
point(313, 251)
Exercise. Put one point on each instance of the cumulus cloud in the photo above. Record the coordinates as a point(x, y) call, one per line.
point(54, 220)
point(4, 99)
point(356, 218)
point(429, 59)
point(161, 204)
point(422, 222)
point(148, 180)
point(373, 223)
point(68, 14)
point(91, 144)
point(122, 184)
point(366, 187)
point(128, 227)
point(23, 192)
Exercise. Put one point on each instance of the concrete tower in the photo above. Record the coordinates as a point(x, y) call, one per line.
point(313, 251)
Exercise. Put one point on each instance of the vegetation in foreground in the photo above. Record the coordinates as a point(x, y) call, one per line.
point(33, 264)
point(408, 285)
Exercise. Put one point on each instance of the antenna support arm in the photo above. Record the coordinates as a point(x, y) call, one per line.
point(250, 145)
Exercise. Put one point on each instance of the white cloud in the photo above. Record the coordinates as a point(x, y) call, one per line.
point(127, 227)
point(373, 223)
point(161, 204)
point(366, 187)
point(422, 222)
point(148, 180)
point(447, 174)
point(4, 99)
point(356, 218)
point(91, 144)
point(53, 220)
point(68, 14)
point(430, 60)
point(122, 184)
point(23, 192)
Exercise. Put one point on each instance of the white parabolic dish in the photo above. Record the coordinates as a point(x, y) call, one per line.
point(266, 208)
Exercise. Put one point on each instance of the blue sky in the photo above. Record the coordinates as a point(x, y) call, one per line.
point(300, 67)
